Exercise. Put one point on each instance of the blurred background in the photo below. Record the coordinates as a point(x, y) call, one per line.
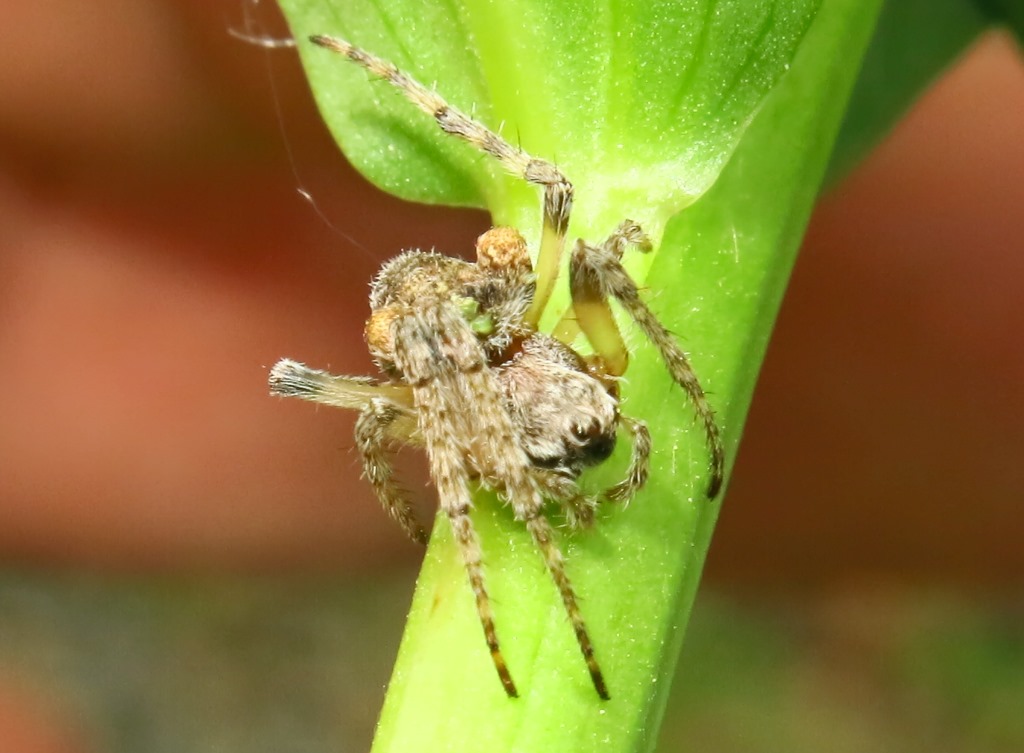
point(191, 565)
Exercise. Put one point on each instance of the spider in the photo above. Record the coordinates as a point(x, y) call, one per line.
point(468, 377)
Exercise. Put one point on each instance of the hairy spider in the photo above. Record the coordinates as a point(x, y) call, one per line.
point(468, 377)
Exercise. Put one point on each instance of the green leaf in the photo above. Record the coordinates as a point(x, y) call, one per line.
point(728, 108)
point(622, 96)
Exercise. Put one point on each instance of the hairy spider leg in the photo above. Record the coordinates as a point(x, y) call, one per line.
point(372, 440)
point(290, 378)
point(385, 414)
point(639, 462)
point(558, 191)
point(438, 370)
point(579, 508)
point(596, 274)
point(440, 398)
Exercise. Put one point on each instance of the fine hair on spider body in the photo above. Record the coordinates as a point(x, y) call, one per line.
point(468, 377)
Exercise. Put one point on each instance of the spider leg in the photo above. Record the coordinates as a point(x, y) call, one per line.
point(512, 466)
point(558, 191)
point(290, 378)
point(636, 474)
point(385, 414)
point(372, 439)
point(579, 508)
point(449, 473)
point(433, 363)
point(442, 359)
point(595, 275)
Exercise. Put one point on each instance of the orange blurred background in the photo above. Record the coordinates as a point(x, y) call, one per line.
point(157, 258)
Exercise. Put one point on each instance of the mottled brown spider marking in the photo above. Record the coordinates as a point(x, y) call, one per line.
point(468, 377)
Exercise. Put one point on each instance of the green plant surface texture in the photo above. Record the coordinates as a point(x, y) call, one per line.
point(623, 96)
point(727, 110)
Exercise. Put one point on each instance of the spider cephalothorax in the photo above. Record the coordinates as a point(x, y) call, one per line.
point(492, 400)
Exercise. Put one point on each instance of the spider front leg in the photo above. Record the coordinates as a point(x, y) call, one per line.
point(512, 467)
point(435, 351)
point(463, 420)
point(596, 274)
point(558, 191)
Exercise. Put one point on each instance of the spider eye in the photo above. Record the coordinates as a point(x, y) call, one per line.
point(595, 445)
point(598, 449)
